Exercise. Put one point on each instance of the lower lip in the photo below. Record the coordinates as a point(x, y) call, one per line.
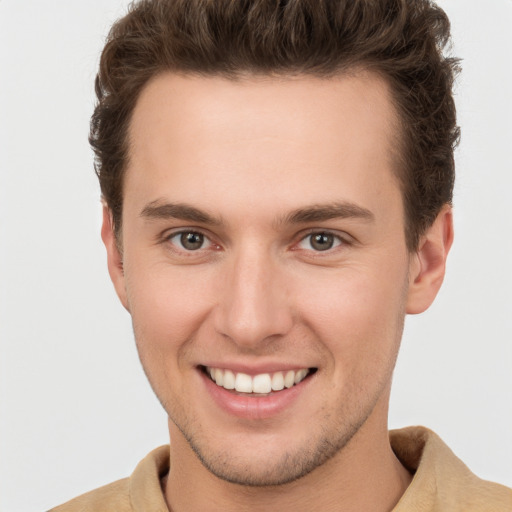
point(254, 407)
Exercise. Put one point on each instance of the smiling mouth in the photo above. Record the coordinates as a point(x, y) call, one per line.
point(257, 385)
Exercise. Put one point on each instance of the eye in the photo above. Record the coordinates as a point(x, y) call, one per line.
point(320, 241)
point(190, 240)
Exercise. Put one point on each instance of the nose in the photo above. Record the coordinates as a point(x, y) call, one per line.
point(254, 307)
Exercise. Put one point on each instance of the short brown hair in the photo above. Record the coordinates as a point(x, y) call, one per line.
point(401, 40)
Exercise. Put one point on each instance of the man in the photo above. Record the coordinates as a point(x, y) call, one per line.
point(277, 181)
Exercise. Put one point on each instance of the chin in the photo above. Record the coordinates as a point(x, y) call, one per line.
point(269, 461)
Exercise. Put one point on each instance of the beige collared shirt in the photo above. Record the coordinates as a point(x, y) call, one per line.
point(441, 482)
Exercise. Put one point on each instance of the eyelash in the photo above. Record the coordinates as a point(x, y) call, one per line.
point(338, 241)
point(168, 238)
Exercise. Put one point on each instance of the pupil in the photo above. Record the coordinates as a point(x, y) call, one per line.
point(322, 241)
point(192, 241)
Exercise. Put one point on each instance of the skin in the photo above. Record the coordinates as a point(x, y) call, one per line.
point(249, 155)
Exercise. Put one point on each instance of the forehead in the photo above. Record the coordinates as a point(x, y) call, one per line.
point(270, 138)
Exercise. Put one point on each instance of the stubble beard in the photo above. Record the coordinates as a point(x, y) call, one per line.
point(283, 468)
point(280, 468)
point(289, 466)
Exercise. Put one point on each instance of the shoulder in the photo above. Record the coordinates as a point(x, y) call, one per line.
point(488, 497)
point(140, 492)
point(441, 480)
point(114, 496)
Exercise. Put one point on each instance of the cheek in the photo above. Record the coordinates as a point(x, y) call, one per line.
point(167, 311)
point(357, 316)
point(168, 306)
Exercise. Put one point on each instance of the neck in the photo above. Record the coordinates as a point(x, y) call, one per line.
point(364, 475)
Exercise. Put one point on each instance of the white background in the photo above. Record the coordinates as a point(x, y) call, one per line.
point(75, 410)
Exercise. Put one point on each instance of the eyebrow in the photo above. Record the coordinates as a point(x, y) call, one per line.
point(316, 213)
point(158, 210)
point(323, 212)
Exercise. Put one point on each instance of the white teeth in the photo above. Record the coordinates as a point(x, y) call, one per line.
point(243, 383)
point(300, 375)
point(277, 381)
point(289, 379)
point(219, 376)
point(262, 383)
point(229, 380)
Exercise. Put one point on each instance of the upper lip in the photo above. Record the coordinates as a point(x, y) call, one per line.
point(255, 369)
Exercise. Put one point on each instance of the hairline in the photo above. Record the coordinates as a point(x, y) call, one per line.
point(397, 141)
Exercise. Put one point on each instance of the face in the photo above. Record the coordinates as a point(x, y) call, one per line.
point(265, 265)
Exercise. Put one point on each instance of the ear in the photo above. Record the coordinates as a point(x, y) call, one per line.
point(114, 256)
point(428, 263)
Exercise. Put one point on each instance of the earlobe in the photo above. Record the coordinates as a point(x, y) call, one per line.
point(428, 264)
point(114, 256)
